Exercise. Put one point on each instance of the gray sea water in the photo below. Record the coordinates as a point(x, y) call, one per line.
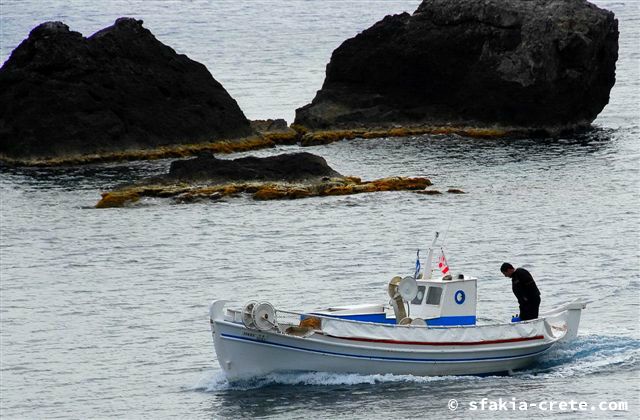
point(103, 313)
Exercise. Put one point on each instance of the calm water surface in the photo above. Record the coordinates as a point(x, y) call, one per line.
point(104, 312)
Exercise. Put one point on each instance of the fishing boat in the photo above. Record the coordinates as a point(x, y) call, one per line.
point(428, 328)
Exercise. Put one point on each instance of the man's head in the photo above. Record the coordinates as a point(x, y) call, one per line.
point(507, 269)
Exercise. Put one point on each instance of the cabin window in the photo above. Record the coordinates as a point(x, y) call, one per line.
point(419, 296)
point(433, 296)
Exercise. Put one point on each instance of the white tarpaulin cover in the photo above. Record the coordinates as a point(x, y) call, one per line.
point(349, 329)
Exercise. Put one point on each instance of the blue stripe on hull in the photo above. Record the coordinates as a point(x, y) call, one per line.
point(399, 359)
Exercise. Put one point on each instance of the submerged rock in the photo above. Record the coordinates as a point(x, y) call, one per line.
point(537, 64)
point(289, 176)
point(63, 94)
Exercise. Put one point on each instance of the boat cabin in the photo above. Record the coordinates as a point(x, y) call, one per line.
point(437, 302)
point(445, 302)
point(422, 298)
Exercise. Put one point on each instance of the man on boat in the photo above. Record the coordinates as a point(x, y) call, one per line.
point(525, 289)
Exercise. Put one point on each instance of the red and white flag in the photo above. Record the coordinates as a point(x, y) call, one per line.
point(442, 265)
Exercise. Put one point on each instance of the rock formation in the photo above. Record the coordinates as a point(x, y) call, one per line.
point(535, 64)
point(63, 94)
point(288, 168)
point(288, 176)
point(276, 130)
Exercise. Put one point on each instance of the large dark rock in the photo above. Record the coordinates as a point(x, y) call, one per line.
point(533, 64)
point(61, 93)
point(287, 167)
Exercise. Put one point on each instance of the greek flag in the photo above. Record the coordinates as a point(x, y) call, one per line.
point(415, 276)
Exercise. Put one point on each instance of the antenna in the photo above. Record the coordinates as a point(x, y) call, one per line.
point(444, 239)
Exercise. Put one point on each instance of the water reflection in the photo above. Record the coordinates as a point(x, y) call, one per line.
point(340, 400)
point(398, 152)
point(71, 178)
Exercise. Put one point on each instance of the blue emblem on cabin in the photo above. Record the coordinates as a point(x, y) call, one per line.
point(459, 297)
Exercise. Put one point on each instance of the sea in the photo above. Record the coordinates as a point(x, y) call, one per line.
point(104, 313)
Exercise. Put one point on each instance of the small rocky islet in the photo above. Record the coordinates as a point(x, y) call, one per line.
point(480, 68)
point(286, 176)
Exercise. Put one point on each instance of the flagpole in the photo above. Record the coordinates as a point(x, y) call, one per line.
point(443, 264)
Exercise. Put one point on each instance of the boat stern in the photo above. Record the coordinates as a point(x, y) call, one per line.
point(565, 319)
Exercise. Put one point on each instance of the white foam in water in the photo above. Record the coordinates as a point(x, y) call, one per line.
point(212, 381)
point(586, 355)
point(216, 381)
point(328, 378)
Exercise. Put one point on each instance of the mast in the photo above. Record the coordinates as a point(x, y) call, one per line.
point(427, 267)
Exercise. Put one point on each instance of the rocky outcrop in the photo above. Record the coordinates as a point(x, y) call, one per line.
point(63, 94)
point(288, 168)
point(276, 130)
point(289, 176)
point(270, 125)
point(535, 64)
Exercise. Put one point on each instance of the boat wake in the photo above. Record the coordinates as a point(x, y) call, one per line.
point(218, 382)
point(586, 355)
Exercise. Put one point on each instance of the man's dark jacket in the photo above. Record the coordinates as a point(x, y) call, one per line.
point(524, 287)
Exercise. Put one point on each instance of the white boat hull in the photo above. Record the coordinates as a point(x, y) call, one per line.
point(244, 353)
